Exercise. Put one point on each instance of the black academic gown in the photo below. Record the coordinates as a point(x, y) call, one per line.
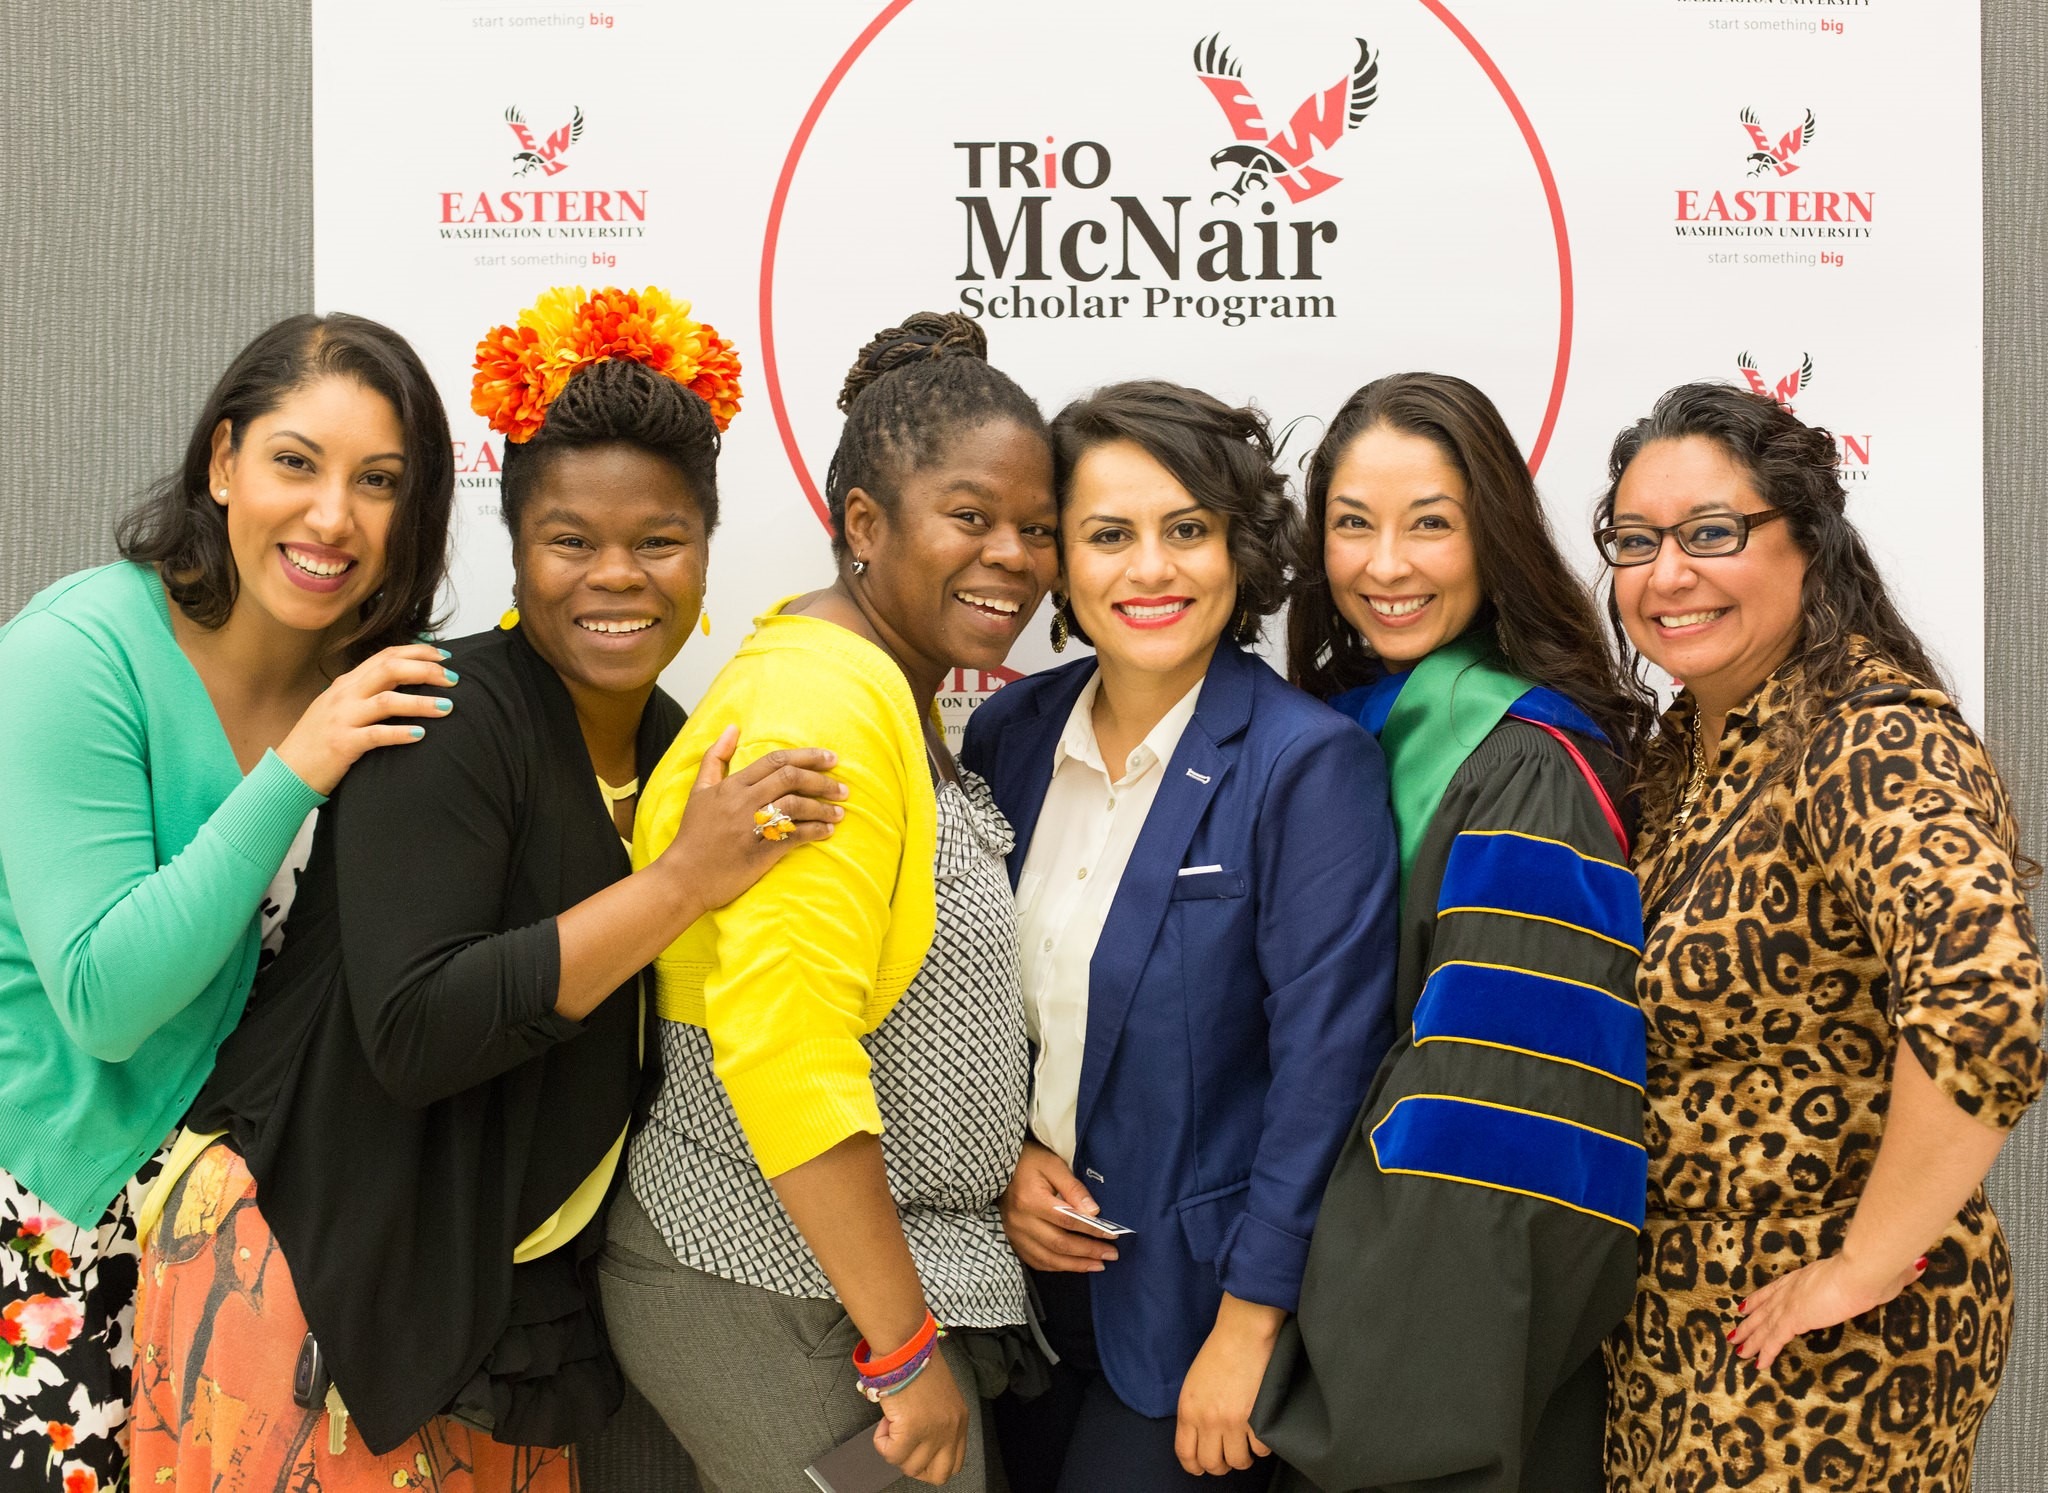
point(409, 1102)
point(1477, 1240)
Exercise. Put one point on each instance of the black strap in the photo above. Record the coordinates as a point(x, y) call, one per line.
point(1670, 892)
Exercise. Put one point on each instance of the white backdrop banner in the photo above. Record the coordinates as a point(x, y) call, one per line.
point(1575, 208)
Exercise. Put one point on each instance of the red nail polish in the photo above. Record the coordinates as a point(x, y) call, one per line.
point(1731, 1334)
point(1921, 1263)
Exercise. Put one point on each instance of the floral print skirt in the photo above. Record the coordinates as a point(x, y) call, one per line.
point(67, 1341)
point(219, 1329)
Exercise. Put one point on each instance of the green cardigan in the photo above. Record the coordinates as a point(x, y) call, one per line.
point(133, 857)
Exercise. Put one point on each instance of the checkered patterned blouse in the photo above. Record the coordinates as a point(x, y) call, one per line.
point(951, 1071)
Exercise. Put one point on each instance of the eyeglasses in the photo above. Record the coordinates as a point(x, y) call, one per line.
point(1705, 536)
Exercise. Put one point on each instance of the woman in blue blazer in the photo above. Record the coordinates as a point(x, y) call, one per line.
point(1206, 877)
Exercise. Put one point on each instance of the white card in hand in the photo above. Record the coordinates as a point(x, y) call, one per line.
point(1100, 1225)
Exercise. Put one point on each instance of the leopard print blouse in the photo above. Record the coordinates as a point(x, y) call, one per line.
point(1798, 931)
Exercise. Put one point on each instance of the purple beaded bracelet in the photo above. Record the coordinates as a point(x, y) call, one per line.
point(876, 1386)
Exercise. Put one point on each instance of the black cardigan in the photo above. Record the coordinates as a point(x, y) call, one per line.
point(406, 1096)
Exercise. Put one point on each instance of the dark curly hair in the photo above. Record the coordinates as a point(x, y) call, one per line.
point(914, 388)
point(1794, 467)
point(1543, 618)
point(618, 401)
point(1222, 455)
point(180, 530)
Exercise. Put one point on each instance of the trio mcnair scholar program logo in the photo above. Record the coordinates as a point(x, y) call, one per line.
point(1855, 449)
point(1771, 210)
point(543, 212)
point(1149, 244)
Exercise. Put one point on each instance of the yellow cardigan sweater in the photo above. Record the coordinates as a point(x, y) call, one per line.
point(789, 977)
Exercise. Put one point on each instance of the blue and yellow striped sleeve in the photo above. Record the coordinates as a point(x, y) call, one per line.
point(1478, 1236)
point(1534, 945)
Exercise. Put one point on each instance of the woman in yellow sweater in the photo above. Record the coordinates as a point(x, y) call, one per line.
point(813, 1183)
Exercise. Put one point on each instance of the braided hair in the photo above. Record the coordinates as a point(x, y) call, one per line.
point(619, 401)
point(914, 388)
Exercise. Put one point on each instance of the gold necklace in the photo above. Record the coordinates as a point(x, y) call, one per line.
point(1691, 797)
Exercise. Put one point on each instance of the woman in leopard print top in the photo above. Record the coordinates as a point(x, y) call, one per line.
point(1841, 981)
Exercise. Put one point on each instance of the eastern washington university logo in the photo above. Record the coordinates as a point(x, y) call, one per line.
point(1031, 222)
point(1785, 388)
point(1765, 156)
point(543, 212)
point(1768, 210)
point(546, 155)
point(1264, 156)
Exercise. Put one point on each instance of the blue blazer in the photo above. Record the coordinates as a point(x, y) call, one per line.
point(1235, 1016)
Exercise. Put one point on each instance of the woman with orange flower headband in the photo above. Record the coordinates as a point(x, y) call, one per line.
point(395, 1179)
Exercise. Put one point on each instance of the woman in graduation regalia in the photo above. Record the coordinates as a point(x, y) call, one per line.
point(1478, 1237)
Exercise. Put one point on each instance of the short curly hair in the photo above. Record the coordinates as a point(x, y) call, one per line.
point(618, 402)
point(1222, 454)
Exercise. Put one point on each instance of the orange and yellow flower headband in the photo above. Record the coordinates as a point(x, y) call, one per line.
point(521, 368)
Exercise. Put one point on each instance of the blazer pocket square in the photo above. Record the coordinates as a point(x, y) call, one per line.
point(1197, 883)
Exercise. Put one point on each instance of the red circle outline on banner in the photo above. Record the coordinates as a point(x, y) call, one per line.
point(889, 12)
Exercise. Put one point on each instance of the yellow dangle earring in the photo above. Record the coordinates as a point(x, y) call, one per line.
point(510, 619)
point(704, 620)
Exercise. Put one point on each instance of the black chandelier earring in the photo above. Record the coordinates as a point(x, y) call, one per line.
point(1060, 630)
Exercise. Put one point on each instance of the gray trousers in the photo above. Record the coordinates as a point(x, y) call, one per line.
point(755, 1385)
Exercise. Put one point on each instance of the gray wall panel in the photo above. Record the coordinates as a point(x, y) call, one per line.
point(157, 177)
point(2013, 1450)
point(158, 181)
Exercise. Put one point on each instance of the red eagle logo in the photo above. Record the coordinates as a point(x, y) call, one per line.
point(1262, 156)
point(547, 155)
point(1788, 387)
point(1778, 158)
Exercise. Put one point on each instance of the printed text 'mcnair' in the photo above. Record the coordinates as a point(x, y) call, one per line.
point(1083, 248)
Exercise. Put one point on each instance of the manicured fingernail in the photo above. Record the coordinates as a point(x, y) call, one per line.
point(1921, 1263)
point(1097, 1268)
point(838, 813)
point(444, 705)
point(445, 654)
point(418, 732)
point(452, 675)
point(1730, 1334)
point(1111, 1255)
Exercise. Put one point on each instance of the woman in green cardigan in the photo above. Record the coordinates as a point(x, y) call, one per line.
point(172, 723)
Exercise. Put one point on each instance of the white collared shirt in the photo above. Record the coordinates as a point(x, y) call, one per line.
point(1085, 834)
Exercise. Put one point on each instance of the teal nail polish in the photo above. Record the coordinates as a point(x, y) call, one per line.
point(452, 675)
point(445, 654)
point(418, 732)
point(444, 706)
